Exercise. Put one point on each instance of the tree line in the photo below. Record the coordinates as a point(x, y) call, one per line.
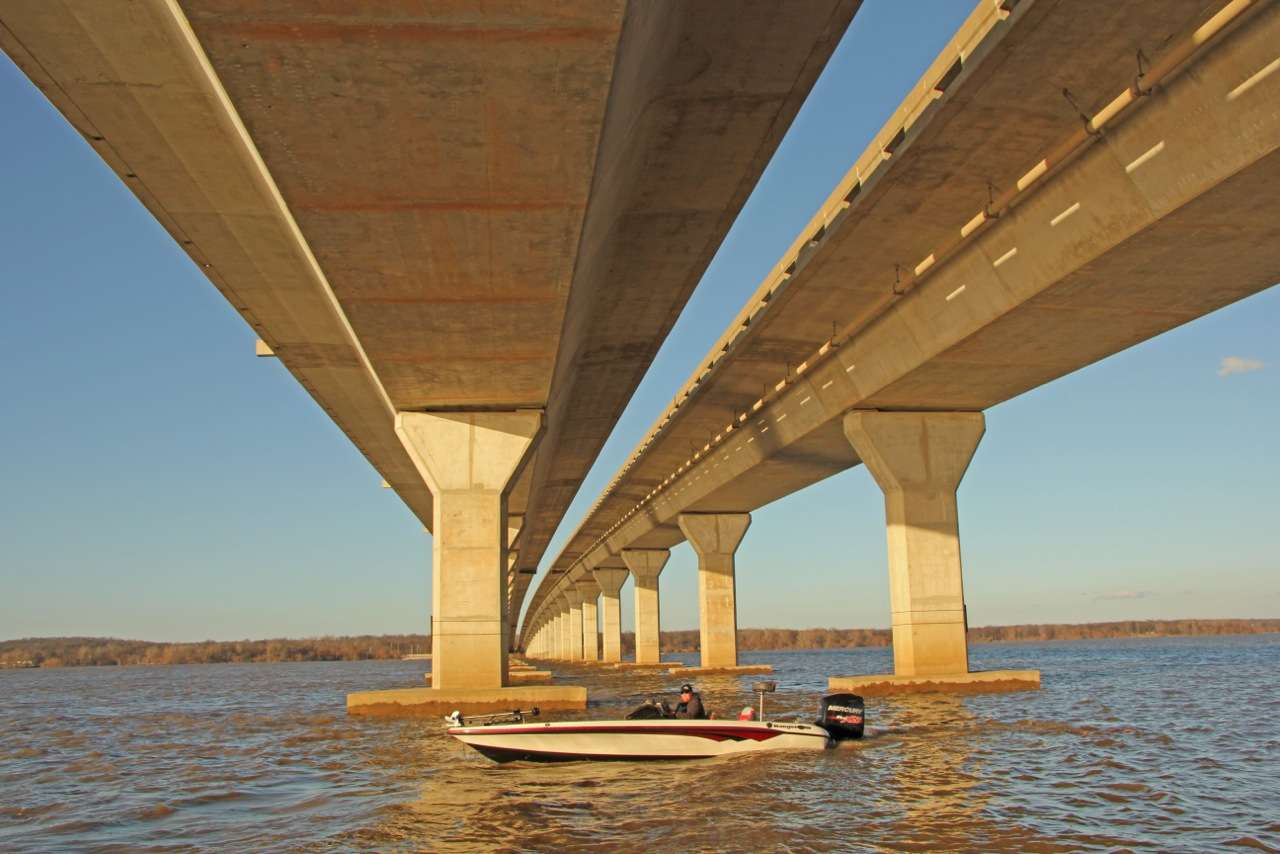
point(81, 651)
point(770, 639)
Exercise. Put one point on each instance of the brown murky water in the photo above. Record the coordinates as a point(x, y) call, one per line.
point(1161, 745)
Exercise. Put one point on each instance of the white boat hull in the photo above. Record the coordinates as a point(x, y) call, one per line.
point(638, 739)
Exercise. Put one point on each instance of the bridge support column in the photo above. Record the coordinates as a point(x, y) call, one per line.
point(646, 565)
point(469, 461)
point(918, 459)
point(590, 593)
point(611, 580)
point(563, 634)
point(715, 538)
point(575, 623)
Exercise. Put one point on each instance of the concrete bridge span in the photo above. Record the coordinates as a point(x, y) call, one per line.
point(465, 229)
point(1068, 180)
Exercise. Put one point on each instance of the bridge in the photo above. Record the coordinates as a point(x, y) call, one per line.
point(1067, 180)
point(464, 229)
point(466, 232)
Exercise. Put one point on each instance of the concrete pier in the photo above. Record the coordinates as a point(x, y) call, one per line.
point(590, 593)
point(469, 461)
point(918, 460)
point(574, 598)
point(611, 580)
point(715, 537)
point(646, 565)
point(566, 636)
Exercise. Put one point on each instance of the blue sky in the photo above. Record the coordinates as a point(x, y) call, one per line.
point(159, 481)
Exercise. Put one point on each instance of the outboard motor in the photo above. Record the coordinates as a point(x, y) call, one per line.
point(842, 715)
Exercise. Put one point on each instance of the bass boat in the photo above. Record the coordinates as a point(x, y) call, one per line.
point(645, 735)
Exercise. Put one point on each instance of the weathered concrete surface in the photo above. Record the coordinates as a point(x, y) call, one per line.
point(469, 460)
point(983, 681)
point(1176, 199)
point(918, 459)
point(645, 566)
point(715, 538)
point(408, 702)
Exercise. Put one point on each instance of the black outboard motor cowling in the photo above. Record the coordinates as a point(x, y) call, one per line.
point(842, 716)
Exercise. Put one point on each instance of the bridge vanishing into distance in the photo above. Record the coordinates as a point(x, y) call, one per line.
point(1067, 180)
point(467, 229)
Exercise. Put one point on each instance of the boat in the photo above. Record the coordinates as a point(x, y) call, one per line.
point(645, 736)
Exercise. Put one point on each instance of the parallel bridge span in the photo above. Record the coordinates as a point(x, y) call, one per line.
point(1065, 182)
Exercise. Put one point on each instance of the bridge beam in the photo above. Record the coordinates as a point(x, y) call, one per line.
point(590, 593)
point(611, 580)
point(646, 565)
point(469, 460)
point(918, 459)
point(715, 537)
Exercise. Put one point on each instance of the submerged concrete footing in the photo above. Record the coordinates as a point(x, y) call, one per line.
point(980, 682)
point(645, 665)
point(408, 702)
point(738, 668)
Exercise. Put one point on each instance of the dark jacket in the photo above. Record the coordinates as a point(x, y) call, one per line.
point(692, 709)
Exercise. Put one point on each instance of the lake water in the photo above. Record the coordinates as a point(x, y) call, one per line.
point(1150, 745)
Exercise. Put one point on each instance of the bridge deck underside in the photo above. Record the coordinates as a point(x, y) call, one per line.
point(998, 119)
point(438, 205)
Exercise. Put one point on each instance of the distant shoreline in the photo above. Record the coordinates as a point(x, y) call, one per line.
point(108, 652)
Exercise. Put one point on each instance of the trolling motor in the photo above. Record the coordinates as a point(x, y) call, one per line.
point(842, 716)
point(515, 716)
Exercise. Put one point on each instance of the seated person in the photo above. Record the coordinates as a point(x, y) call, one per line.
point(748, 713)
point(690, 705)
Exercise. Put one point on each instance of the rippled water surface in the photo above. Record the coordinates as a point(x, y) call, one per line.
point(1159, 745)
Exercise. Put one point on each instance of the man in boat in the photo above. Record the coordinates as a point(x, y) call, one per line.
point(690, 705)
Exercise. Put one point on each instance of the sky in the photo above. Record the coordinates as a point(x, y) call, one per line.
point(158, 481)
